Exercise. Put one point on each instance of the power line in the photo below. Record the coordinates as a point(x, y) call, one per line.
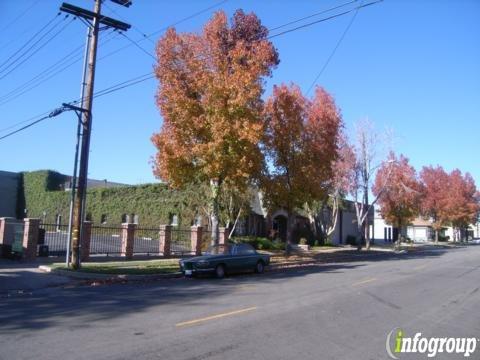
point(136, 28)
point(138, 46)
point(147, 76)
point(36, 50)
point(164, 28)
point(30, 40)
point(22, 14)
point(53, 70)
point(312, 15)
point(54, 113)
point(333, 51)
point(323, 19)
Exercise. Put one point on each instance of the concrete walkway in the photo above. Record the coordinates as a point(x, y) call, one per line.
point(17, 276)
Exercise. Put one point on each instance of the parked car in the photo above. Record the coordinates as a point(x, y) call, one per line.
point(220, 260)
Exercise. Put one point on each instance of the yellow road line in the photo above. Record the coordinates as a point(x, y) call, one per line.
point(217, 316)
point(364, 281)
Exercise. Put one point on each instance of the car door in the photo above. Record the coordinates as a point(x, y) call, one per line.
point(247, 257)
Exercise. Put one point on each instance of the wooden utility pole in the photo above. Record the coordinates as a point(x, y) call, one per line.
point(95, 19)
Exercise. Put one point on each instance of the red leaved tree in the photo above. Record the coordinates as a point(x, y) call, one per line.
point(301, 146)
point(435, 188)
point(209, 95)
point(463, 201)
point(323, 211)
point(398, 191)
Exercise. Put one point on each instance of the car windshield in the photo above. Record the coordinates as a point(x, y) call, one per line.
point(218, 250)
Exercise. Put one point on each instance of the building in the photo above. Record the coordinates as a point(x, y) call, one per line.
point(420, 230)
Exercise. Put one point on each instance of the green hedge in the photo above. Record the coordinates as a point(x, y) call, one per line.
point(260, 243)
point(153, 203)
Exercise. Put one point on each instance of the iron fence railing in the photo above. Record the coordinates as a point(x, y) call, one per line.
point(56, 237)
point(147, 241)
point(106, 240)
point(181, 241)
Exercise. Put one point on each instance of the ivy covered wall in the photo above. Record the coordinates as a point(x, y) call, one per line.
point(154, 204)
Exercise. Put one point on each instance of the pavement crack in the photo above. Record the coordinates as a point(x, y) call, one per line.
point(383, 301)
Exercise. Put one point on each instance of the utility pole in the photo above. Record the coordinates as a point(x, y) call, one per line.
point(94, 20)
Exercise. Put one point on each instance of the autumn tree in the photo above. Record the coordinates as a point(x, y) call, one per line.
point(398, 191)
point(323, 213)
point(365, 150)
point(301, 145)
point(209, 95)
point(435, 188)
point(463, 201)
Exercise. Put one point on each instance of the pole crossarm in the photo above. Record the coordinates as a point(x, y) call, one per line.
point(90, 15)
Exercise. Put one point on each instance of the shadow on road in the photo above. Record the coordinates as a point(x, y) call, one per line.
point(42, 308)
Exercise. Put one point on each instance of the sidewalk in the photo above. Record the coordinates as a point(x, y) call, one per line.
point(17, 276)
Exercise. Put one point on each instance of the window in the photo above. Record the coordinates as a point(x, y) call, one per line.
point(88, 217)
point(124, 218)
point(103, 219)
point(135, 219)
point(174, 220)
point(245, 249)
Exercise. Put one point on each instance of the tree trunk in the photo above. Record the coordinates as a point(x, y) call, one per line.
point(367, 236)
point(436, 236)
point(289, 240)
point(214, 215)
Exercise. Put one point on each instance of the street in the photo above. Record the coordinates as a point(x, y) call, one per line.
point(340, 310)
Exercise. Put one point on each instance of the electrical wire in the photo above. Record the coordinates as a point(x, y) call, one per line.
point(333, 51)
point(22, 14)
point(37, 49)
point(323, 19)
point(147, 76)
point(312, 15)
point(58, 67)
point(30, 40)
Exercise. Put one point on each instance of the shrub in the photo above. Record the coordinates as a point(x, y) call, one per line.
point(443, 238)
point(303, 241)
point(259, 243)
point(303, 233)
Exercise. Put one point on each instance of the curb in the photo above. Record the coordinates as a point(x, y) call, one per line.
point(96, 276)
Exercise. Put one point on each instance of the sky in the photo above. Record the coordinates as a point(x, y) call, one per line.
point(412, 67)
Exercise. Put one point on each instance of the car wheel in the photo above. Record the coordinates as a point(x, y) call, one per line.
point(220, 271)
point(259, 268)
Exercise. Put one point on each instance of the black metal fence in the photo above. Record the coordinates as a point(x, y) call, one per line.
point(181, 241)
point(147, 241)
point(106, 240)
point(56, 237)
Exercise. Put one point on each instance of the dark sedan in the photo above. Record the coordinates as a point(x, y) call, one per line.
point(222, 259)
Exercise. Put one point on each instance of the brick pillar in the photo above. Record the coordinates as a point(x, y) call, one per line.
point(128, 236)
point(223, 234)
point(196, 239)
point(86, 239)
point(3, 229)
point(165, 239)
point(30, 239)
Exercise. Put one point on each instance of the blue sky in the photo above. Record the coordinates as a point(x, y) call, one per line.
point(410, 66)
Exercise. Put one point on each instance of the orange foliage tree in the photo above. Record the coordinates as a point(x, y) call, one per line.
point(462, 201)
point(398, 191)
point(209, 95)
point(435, 187)
point(300, 147)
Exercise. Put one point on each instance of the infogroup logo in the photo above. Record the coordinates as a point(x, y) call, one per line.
point(398, 343)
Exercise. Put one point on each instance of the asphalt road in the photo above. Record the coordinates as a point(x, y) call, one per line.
point(332, 311)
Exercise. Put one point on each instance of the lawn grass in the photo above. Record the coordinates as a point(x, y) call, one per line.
point(146, 267)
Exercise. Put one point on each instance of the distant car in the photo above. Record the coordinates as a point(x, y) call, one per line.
point(476, 241)
point(220, 260)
